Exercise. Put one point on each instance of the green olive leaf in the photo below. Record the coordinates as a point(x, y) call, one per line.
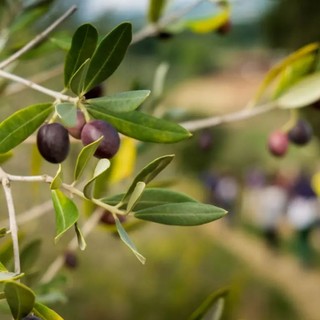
point(45, 313)
point(30, 254)
point(67, 113)
point(142, 126)
point(84, 42)
point(148, 173)
point(77, 80)
point(20, 299)
point(101, 167)
point(57, 180)
point(108, 55)
point(155, 10)
point(81, 241)
point(181, 214)
point(66, 212)
point(84, 156)
point(120, 102)
point(7, 276)
point(135, 195)
point(21, 124)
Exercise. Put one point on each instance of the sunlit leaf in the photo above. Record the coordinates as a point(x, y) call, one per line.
point(142, 126)
point(303, 93)
point(209, 24)
point(213, 306)
point(20, 299)
point(84, 156)
point(181, 214)
point(57, 180)
point(148, 173)
point(67, 113)
point(7, 276)
point(66, 212)
point(125, 238)
point(81, 241)
point(120, 102)
point(45, 313)
point(101, 167)
point(77, 80)
point(108, 55)
point(84, 42)
point(21, 124)
point(155, 9)
point(135, 195)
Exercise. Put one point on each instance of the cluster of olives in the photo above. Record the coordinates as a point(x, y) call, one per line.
point(300, 135)
point(53, 138)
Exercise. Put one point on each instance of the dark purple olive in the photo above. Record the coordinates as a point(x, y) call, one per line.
point(205, 140)
point(110, 143)
point(53, 142)
point(164, 35)
point(224, 28)
point(301, 133)
point(95, 92)
point(278, 143)
point(76, 130)
point(70, 260)
point(107, 218)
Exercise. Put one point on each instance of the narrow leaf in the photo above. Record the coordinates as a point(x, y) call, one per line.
point(148, 173)
point(77, 80)
point(125, 238)
point(84, 156)
point(101, 167)
point(135, 195)
point(84, 42)
point(152, 197)
point(303, 93)
point(57, 180)
point(120, 102)
point(6, 276)
point(21, 124)
point(66, 212)
point(181, 214)
point(45, 313)
point(142, 126)
point(67, 113)
point(81, 241)
point(20, 299)
point(108, 55)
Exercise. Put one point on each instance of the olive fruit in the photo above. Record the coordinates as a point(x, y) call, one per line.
point(95, 92)
point(205, 140)
point(301, 133)
point(70, 260)
point(224, 28)
point(107, 218)
point(53, 142)
point(76, 130)
point(110, 143)
point(278, 143)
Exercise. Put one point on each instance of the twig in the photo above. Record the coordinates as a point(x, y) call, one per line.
point(40, 37)
point(58, 263)
point(12, 220)
point(243, 114)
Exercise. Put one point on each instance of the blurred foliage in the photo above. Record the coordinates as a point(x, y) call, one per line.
point(292, 23)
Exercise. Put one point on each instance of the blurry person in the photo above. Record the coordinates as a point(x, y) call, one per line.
point(272, 202)
point(303, 211)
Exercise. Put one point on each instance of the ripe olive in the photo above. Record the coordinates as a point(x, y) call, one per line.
point(70, 260)
point(301, 133)
point(107, 218)
point(278, 143)
point(76, 130)
point(53, 142)
point(110, 143)
point(224, 28)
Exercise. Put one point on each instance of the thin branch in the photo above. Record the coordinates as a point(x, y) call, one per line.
point(58, 263)
point(39, 38)
point(37, 87)
point(152, 29)
point(12, 220)
point(243, 114)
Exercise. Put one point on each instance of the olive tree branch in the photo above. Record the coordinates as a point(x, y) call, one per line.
point(39, 38)
point(12, 219)
point(243, 114)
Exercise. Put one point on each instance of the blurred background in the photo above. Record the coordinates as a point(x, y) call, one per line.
point(263, 251)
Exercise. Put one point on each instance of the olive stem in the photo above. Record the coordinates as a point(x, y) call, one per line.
point(39, 38)
point(12, 219)
point(37, 87)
